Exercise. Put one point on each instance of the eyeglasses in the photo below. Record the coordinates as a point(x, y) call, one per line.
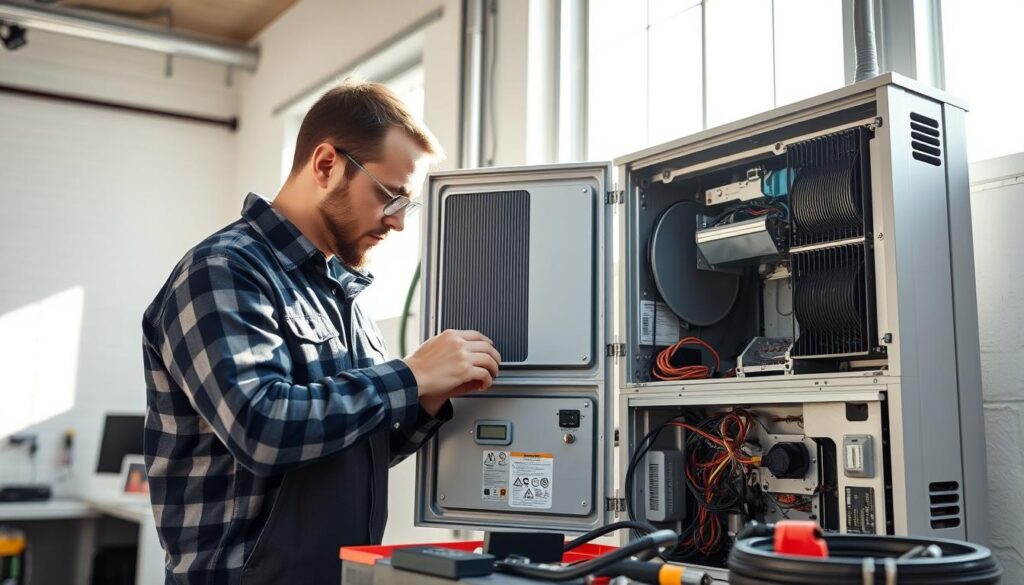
point(397, 202)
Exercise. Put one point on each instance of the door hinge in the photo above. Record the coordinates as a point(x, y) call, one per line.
point(616, 349)
point(614, 197)
point(616, 505)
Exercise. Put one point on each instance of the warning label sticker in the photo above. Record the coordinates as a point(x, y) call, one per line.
point(495, 476)
point(531, 476)
point(658, 324)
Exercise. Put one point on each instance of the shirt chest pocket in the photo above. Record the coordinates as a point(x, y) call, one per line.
point(314, 340)
point(311, 327)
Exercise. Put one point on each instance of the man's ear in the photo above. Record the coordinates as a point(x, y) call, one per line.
point(324, 162)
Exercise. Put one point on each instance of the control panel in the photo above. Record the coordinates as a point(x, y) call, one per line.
point(529, 455)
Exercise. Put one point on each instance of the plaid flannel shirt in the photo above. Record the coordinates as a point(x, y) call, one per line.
point(248, 375)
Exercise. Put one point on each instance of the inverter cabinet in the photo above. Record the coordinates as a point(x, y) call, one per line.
point(822, 250)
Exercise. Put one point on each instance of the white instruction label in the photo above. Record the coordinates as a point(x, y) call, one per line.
point(657, 318)
point(531, 479)
point(495, 476)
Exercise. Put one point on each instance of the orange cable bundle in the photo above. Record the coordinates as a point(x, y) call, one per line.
point(706, 472)
point(664, 370)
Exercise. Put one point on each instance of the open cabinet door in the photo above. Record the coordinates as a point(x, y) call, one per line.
point(523, 256)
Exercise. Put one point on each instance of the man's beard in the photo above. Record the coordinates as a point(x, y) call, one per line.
point(336, 212)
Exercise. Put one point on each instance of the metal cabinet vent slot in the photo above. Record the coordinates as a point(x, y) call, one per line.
point(944, 504)
point(925, 139)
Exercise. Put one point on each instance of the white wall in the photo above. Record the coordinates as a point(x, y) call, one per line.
point(97, 206)
point(312, 40)
point(999, 260)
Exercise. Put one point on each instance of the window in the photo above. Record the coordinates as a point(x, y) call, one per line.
point(663, 69)
point(395, 259)
point(977, 36)
point(393, 262)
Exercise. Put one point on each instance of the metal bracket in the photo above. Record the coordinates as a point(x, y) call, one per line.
point(616, 505)
point(616, 349)
point(614, 197)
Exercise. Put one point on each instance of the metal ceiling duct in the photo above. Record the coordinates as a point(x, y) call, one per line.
point(123, 31)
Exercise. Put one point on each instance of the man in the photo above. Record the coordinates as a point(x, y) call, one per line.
point(273, 413)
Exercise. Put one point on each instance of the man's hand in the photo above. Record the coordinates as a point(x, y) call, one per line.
point(452, 364)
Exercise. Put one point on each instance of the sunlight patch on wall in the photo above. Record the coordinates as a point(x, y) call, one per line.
point(39, 348)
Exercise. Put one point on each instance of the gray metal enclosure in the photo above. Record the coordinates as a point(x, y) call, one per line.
point(587, 280)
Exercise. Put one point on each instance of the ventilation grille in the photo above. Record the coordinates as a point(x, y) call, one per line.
point(925, 139)
point(831, 302)
point(944, 504)
point(485, 268)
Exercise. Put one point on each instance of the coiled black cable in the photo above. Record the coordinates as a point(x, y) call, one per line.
point(852, 556)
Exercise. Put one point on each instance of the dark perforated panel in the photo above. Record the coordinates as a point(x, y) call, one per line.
point(485, 268)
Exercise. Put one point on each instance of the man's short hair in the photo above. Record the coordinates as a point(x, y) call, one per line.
point(355, 116)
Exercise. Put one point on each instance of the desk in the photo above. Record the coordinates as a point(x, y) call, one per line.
point(149, 568)
point(49, 510)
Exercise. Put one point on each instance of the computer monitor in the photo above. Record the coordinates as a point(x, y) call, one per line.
point(122, 435)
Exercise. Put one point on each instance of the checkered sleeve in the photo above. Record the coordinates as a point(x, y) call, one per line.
point(221, 344)
point(406, 441)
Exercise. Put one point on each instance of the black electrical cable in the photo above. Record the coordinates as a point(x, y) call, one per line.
point(599, 532)
point(686, 551)
point(754, 562)
point(655, 540)
point(642, 448)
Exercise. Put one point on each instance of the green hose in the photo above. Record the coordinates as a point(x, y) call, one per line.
point(405, 311)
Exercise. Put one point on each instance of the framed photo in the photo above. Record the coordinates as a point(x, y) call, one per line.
point(133, 476)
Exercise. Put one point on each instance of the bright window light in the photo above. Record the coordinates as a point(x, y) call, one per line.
point(978, 37)
point(647, 59)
